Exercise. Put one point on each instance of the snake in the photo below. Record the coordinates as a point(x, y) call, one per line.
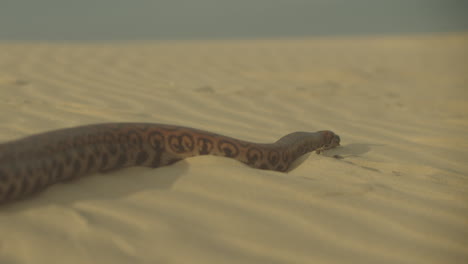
point(30, 164)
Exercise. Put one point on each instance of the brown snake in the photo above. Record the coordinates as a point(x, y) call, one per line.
point(32, 163)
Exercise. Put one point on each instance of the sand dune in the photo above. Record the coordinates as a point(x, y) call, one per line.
point(400, 195)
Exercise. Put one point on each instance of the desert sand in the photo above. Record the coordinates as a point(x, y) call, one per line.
point(399, 195)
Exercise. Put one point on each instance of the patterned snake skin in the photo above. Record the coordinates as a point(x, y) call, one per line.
point(31, 164)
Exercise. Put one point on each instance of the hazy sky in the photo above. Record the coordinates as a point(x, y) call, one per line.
point(201, 19)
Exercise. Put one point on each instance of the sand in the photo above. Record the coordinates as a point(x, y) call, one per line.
point(399, 195)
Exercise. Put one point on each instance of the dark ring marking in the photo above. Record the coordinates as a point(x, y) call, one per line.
point(78, 145)
point(10, 191)
point(63, 146)
point(3, 177)
point(93, 142)
point(60, 169)
point(131, 140)
point(110, 142)
point(104, 161)
point(49, 149)
point(301, 150)
point(182, 143)
point(121, 161)
point(156, 141)
point(44, 167)
point(253, 155)
point(142, 156)
point(24, 185)
point(53, 163)
point(285, 156)
point(37, 186)
point(228, 148)
point(53, 169)
point(156, 161)
point(91, 162)
point(76, 168)
point(205, 146)
point(134, 138)
point(68, 159)
point(273, 157)
point(29, 172)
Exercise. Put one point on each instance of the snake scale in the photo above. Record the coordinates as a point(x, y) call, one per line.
point(32, 163)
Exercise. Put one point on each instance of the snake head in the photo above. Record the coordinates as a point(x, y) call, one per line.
point(330, 140)
point(335, 141)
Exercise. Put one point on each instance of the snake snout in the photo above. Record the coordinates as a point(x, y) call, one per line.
point(336, 140)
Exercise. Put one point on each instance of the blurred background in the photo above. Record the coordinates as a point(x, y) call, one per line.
point(97, 20)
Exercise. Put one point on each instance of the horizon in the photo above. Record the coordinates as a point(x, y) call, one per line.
point(119, 20)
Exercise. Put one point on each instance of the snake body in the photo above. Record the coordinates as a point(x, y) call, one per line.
point(32, 163)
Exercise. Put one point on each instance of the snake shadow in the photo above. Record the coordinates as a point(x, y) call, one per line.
point(352, 150)
point(341, 153)
point(102, 186)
